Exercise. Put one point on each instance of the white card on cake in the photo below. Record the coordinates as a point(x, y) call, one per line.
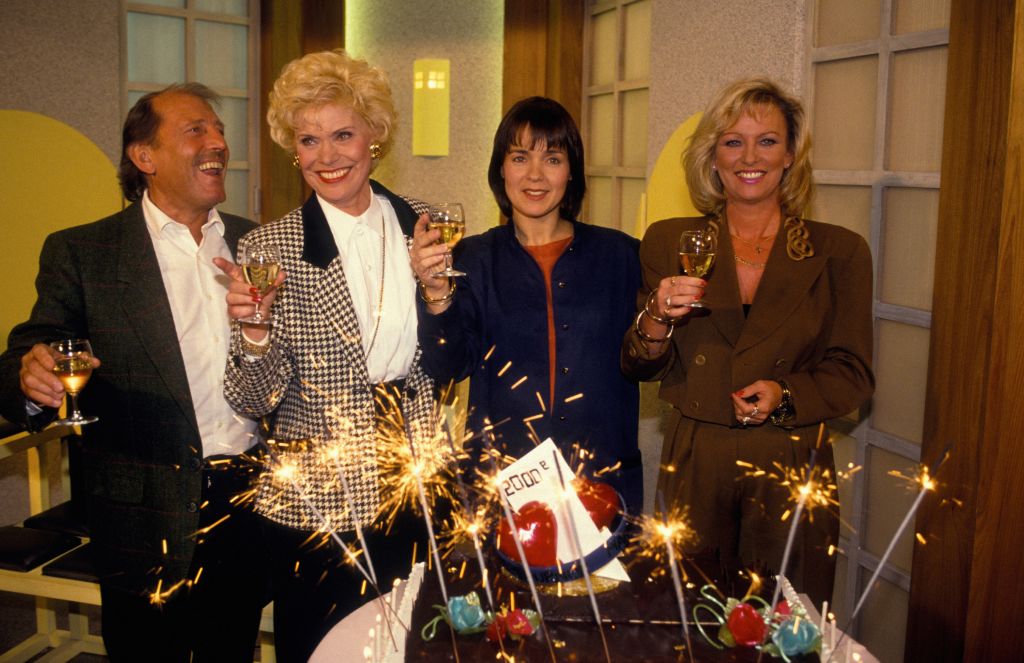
point(534, 478)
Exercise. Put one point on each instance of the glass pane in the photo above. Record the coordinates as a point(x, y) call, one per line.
point(846, 206)
point(889, 499)
point(637, 49)
point(156, 48)
point(634, 128)
point(222, 57)
point(917, 15)
point(234, 113)
point(844, 22)
point(603, 49)
point(883, 620)
point(236, 185)
point(135, 95)
point(844, 114)
point(909, 234)
point(162, 3)
point(232, 7)
point(629, 206)
point(918, 103)
point(900, 376)
point(602, 136)
point(599, 201)
point(844, 450)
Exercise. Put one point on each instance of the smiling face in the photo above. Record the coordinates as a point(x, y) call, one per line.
point(535, 179)
point(752, 155)
point(333, 146)
point(186, 162)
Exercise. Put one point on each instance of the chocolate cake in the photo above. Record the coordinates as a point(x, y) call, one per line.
point(641, 619)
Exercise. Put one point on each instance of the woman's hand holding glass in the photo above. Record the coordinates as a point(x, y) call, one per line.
point(244, 300)
point(427, 256)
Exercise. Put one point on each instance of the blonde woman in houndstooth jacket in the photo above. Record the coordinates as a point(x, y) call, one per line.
point(343, 328)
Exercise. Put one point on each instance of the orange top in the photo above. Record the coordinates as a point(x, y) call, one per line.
point(546, 256)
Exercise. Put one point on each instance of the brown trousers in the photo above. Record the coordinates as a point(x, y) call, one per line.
point(740, 516)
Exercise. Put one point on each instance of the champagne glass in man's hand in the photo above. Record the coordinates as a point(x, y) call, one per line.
point(72, 364)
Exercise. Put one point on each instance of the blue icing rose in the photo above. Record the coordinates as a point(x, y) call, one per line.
point(465, 612)
point(795, 636)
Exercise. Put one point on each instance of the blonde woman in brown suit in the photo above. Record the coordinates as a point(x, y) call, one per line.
point(784, 341)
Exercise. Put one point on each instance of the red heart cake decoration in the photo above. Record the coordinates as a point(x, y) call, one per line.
point(537, 531)
point(600, 500)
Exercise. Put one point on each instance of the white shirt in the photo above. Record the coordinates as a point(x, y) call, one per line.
point(359, 244)
point(196, 291)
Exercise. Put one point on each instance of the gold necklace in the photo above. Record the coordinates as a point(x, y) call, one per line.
point(383, 269)
point(756, 245)
point(755, 265)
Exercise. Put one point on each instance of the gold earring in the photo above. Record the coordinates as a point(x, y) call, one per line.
point(376, 151)
point(295, 161)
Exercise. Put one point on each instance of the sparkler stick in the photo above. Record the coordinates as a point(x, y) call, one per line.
point(526, 568)
point(677, 583)
point(805, 491)
point(574, 538)
point(355, 519)
point(926, 483)
point(287, 472)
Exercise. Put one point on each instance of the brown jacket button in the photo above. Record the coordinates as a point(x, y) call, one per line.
point(700, 360)
point(695, 405)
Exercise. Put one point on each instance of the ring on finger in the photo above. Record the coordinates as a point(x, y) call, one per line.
point(672, 281)
point(668, 302)
point(745, 421)
point(755, 412)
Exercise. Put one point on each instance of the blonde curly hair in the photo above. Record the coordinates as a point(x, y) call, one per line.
point(331, 77)
point(744, 97)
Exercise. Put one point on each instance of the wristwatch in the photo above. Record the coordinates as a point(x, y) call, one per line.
point(785, 411)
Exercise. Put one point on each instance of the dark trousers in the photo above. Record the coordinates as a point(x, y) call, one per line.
point(216, 619)
point(314, 587)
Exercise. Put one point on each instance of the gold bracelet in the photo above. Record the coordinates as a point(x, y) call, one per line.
point(253, 349)
point(647, 338)
point(440, 300)
point(647, 309)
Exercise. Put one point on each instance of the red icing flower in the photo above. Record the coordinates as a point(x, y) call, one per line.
point(782, 611)
point(746, 625)
point(497, 629)
point(518, 623)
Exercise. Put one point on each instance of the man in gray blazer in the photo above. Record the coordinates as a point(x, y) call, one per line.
point(179, 561)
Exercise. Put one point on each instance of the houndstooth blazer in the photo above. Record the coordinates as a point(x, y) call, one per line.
point(313, 382)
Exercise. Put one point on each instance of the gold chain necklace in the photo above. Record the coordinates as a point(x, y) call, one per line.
point(383, 269)
point(755, 265)
point(756, 245)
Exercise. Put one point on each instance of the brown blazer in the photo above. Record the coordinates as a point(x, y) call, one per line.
point(810, 325)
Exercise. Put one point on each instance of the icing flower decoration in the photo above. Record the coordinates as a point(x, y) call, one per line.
point(796, 636)
point(515, 623)
point(746, 625)
point(465, 614)
point(786, 632)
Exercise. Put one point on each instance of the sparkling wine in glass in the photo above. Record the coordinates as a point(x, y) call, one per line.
point(448, 218)
point(260, 264)
point(697, 255)
point(73, 366)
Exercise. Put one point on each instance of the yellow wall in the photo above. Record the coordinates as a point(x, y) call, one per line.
point(51, 177)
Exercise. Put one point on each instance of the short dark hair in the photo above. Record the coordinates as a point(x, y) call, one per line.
point(548, 122)
point(141, 125)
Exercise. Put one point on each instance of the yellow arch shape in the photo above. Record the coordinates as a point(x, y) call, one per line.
point(51, 177)
point(667, 195)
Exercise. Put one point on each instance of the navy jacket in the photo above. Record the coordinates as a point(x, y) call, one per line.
point(496, 333)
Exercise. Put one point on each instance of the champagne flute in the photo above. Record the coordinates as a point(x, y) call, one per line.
point(260, 264)
point(448, 218)
point(697, 255)
point(73, 366)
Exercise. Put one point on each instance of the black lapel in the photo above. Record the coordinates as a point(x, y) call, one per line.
point(406, 214)
point(147, 309)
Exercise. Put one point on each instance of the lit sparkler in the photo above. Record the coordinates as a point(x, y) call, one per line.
point(670, 532)
point(925, 483)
